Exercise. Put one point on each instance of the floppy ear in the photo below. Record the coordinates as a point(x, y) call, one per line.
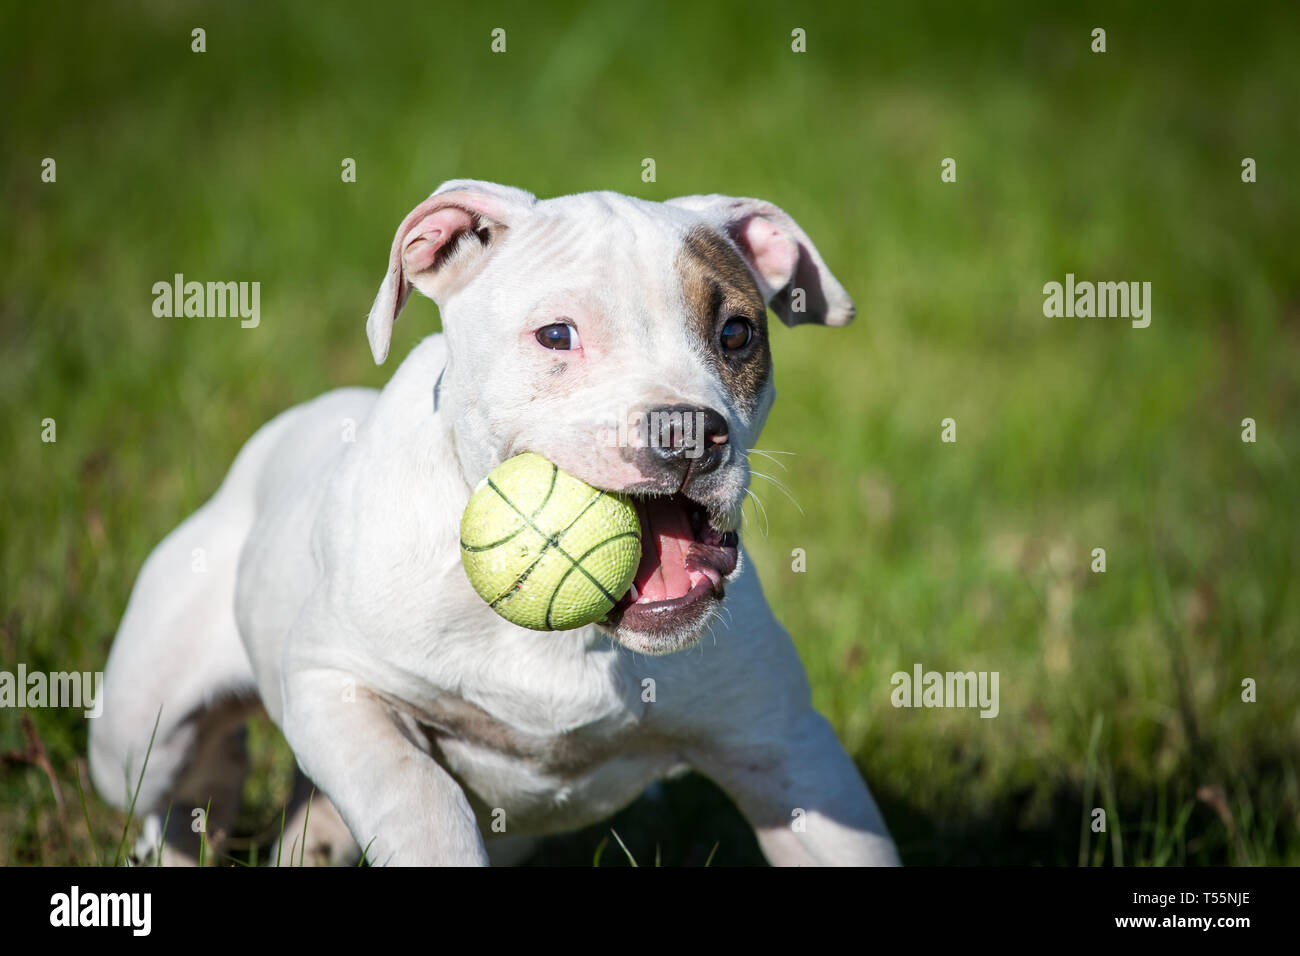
point(440, 245)
point(790, 272)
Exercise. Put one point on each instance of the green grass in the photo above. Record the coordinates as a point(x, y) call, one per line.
point(1118, 690)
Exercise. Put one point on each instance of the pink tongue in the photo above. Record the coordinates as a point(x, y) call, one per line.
point(665, 537)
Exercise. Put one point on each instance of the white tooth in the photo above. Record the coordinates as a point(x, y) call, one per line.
point(635, 594)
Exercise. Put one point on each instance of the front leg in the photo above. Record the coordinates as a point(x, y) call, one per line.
point(798, 788)
point(402, 807)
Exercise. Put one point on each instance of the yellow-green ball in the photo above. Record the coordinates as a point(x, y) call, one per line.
point(545, 550)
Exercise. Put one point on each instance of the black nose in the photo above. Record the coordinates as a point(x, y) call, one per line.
point(687, 439)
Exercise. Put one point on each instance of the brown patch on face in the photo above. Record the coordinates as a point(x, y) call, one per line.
point(718, 286)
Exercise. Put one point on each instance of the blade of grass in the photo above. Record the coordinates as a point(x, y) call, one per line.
point(203, 832)
point(1112, 818)
point(630, 857)
point(302, 860)
point(280, 845)
point(162, 836)
point(85, 814)
point(1094, 738)
point(130, 810)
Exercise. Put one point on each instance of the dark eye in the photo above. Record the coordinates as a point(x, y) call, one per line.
point(736, 334)
point(561, 336)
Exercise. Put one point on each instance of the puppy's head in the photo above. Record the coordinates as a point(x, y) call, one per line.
point(626, 341)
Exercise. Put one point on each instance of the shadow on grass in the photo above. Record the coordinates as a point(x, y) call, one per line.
point(682, 819)
point(1227, 813)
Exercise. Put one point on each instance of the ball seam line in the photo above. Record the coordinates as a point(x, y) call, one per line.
point(577, 565)
point(551, 541)
point(474, 549)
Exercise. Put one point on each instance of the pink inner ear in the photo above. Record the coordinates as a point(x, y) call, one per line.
point(772, 252)
point(421, 244)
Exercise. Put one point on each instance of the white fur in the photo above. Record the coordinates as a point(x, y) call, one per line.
point(334, 596)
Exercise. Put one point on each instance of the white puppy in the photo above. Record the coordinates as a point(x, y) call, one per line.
point(323, 580)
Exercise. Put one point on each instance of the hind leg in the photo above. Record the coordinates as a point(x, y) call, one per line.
point(178, 661)
point(204, 797)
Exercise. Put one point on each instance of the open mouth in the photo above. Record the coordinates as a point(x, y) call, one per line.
point(684, 564)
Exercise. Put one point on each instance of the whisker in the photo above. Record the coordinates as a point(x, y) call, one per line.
point(758, 502)
point(780, 487)
point(771, 456)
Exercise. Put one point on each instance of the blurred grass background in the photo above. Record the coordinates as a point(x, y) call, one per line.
point(1119, 690)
